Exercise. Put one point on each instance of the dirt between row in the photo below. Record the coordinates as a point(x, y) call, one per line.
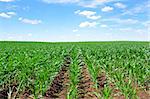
point(85, 86)
point(59, 88)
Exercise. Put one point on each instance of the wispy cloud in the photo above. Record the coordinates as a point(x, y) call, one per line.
point(103, 26)
point(107, 9)
point(120, 5)
point(83, 3)
point(11, 13)
point(87, 24)
point(18, 36)
point(7, 15)
point(92, 3)
point(121, 21)
point(88, 14)
point(7, 0)
point(146, 24)
point(131, 30)
point(75, 30)
point(142, 8)
point(30, 21)
point(60, 1)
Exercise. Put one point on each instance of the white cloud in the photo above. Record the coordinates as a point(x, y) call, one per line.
point(7, 14)
point(94, 3)
point(121, 21)
point(94, 17)
point(87, 24)
point(103, 26)
point(29, 34)
point(131, 30)
point(7, 0)
point(142, 8)
point(78, 35)
point(77, 12)
point(16, 36)
point(120, 5)
point(75, 30)
point(88, 14)
point(10, 7)
point(30, 21)
point(128, 21)
point(4, 15)
point(83, 3)
point(107, 9)
point(146, 24)
point(11, 13)
point(60, 1)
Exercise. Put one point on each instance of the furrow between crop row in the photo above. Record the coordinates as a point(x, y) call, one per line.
point(86, 86)
point(59, 87)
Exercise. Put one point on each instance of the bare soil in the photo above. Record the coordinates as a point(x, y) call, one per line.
point(58, 88)
point(85, 86)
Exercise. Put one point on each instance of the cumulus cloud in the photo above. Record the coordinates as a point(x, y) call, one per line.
point(7, 0)
point(120, 5)
point(85, 13)
point(88, 14)
point(30, 21)
point(107, 9)
point(87, 24)
point(7, 14)
point(4, 15)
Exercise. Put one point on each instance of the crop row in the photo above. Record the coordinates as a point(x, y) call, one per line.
point(27, 71)
point(74, 71)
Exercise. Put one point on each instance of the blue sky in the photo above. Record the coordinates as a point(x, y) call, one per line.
point(74, 20)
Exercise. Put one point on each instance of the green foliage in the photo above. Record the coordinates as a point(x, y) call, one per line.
point(33, 66)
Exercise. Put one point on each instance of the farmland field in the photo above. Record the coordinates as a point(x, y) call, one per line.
point(83, 70)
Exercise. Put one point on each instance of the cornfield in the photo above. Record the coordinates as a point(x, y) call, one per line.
point(83, 70)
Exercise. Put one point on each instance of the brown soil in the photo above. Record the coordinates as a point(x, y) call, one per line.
point(85, 86)
point(3, 94)
point(5, 91)
point(102, 80)
point(143, 94)
point(26, 95)
point(116, 93)
point(58, 88)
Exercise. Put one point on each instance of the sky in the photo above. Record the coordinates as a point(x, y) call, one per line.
point(74, 20)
